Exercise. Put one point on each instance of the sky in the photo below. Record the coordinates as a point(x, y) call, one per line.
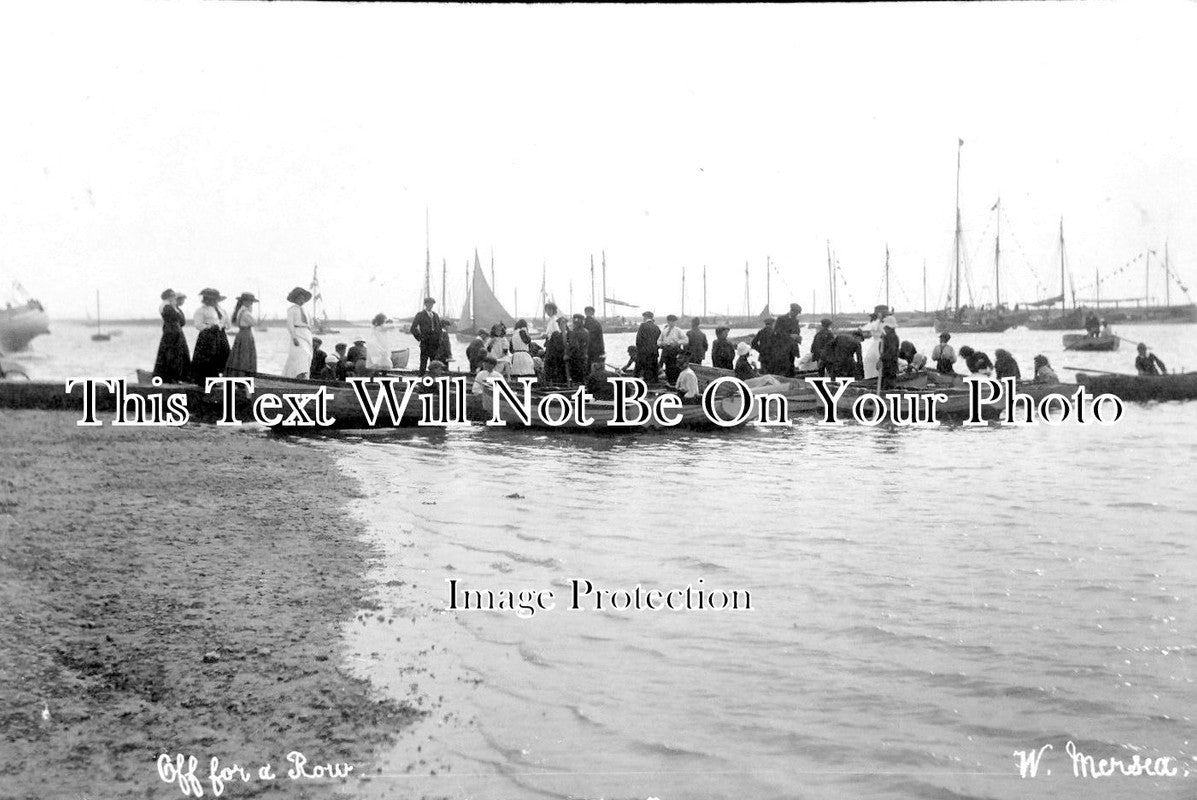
point(238, 145)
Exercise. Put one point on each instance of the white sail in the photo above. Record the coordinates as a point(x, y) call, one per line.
point(486, 308)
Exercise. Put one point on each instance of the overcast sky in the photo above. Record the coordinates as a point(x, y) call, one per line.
point(235, 145)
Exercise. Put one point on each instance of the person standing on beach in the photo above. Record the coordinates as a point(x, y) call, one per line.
point(299, 357)
point(426, 329)
point(696, 342)
point(212, 344)
point(243, 357)
point(173, 362)
point(647, 364)
point(723, 352)
point(594, 328)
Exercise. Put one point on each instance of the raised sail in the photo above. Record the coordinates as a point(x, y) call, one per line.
point(487, 310)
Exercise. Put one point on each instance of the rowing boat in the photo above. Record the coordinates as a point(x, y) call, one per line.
point(1143, 388)
point(1083, 341)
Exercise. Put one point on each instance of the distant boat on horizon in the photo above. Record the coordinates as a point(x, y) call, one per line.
point(99, 335)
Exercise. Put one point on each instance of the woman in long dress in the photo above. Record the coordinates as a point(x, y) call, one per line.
point(872, 349)
point(379, 350)
point(212, 344)
point(299, 358)
point(521, 351)
point(243, 358)
point(173, 362)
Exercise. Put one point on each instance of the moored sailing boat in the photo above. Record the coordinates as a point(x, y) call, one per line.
point(963, 319)
point(481, 309)
point(320, 326)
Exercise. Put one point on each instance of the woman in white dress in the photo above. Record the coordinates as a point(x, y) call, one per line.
point(379, 351)
point(872, 347)
point(521, 347)
point(299, 358)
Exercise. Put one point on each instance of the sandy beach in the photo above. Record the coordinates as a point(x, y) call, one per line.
point(176, 591)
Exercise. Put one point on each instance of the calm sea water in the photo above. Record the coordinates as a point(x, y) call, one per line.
point(925, 602)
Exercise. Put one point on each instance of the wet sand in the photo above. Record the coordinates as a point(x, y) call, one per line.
point(176, 591)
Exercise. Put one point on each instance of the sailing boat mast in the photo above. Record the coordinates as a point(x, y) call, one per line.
point(1167, 277)
point(544, 298)
point(704, 290)
point(924, 286)
point(1063, 293)
point(956, 243)
point(997, 257)
point(768, 288)
point(604, 284)
point(683, 311)
point(97, 310)
point(747, 303)
point(830, 280)
point(427, 263)
point(444, 281)
point(592, 280)
point(887, 275)
point(1146, 278)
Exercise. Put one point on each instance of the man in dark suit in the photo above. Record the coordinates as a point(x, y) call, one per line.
point(598, 348)
point(426, 329)
point(647, 363)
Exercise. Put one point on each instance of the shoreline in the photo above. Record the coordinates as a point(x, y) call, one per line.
point(178, 591)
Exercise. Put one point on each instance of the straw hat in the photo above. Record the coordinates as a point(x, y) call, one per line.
point(212, 293)
point(742, 349)
point(247, 297)
point(168, 294)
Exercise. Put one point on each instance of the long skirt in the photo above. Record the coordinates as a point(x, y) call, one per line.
point(243, 358)
point(299, 357)
point(211, 354)
point(173, 363)
point(522, 363)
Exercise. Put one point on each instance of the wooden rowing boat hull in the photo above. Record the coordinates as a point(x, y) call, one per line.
point(1143, 388)
point(1082, 341)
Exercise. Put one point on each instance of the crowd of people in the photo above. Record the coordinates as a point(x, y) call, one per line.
point(572, 350)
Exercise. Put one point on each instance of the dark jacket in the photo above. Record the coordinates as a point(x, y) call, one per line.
point(1006, 367)
point(426, 329)
point(818, 346)
point(578, 343)
point(787, 325)
point(475, 352)
point(696, 346)
point(844, 351)
point(647, 336)
point(598, 348)
point(723, 354)
point(744, 369)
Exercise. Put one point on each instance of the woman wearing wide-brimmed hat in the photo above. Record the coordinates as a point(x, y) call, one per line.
point(243, 358)
point(212, 344)
point(299, 328)
point(173, 362)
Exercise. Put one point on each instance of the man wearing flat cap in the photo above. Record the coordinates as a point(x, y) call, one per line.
point(426, 329)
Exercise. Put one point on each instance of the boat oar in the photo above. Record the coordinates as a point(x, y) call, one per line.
point(1124, 339)
point(1098, 371)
